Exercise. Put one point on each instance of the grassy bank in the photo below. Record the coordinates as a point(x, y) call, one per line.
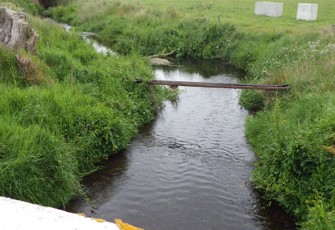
point(292, 135)
point(74, 108)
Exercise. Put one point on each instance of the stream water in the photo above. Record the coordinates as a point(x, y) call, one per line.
point(188, 169)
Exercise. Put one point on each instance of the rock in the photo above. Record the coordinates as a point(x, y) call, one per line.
point(159, 61)
point(15, 32)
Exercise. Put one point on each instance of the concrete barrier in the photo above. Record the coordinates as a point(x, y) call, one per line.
point(270, 9)
point(307, 11)
point(18, 215)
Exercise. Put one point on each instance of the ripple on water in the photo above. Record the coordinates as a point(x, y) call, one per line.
point(189, 170)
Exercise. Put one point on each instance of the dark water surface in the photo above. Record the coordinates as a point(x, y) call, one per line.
point(189, 169)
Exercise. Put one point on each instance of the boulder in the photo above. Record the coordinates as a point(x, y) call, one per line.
point(160, 61)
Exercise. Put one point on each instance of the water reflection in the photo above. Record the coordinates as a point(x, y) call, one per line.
point(190, 168)
point(206, 68)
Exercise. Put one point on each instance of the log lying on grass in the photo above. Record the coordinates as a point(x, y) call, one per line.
point(15, 32)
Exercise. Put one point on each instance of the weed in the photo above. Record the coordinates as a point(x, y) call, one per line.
point(252, 100)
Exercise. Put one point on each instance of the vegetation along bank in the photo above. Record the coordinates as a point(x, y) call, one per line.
point(71, 109)
point(292, 133)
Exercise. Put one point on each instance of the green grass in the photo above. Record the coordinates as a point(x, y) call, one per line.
point(241, 14)
point(36, 165)
point(237, 12)
point(74, 108)
point(28, 6)
point(292, 134)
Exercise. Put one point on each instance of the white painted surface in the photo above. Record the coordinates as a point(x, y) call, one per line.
point(270, 9)
point(307, 11)
point(260, 8)
point(19, 215)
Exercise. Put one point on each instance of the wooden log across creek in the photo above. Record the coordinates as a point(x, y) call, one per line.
point(216, 85)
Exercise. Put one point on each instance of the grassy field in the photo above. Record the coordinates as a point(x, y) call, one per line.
point(292, 133)
point(238, 12)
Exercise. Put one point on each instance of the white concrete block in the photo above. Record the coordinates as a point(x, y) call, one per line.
point(270, 9)
point(307, 11)
point(275, 9)
point(18, 215)
point(260, 8)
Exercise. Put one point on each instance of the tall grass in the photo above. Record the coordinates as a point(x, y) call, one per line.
point(8, 71)
point(30, 7)
point(83, 108)
point(36, 165)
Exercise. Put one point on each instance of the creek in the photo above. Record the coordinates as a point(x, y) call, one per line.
point(190, 168)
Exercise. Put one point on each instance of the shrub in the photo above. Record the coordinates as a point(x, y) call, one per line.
point(320, 217)
point(252, 100)
point(294, 146)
